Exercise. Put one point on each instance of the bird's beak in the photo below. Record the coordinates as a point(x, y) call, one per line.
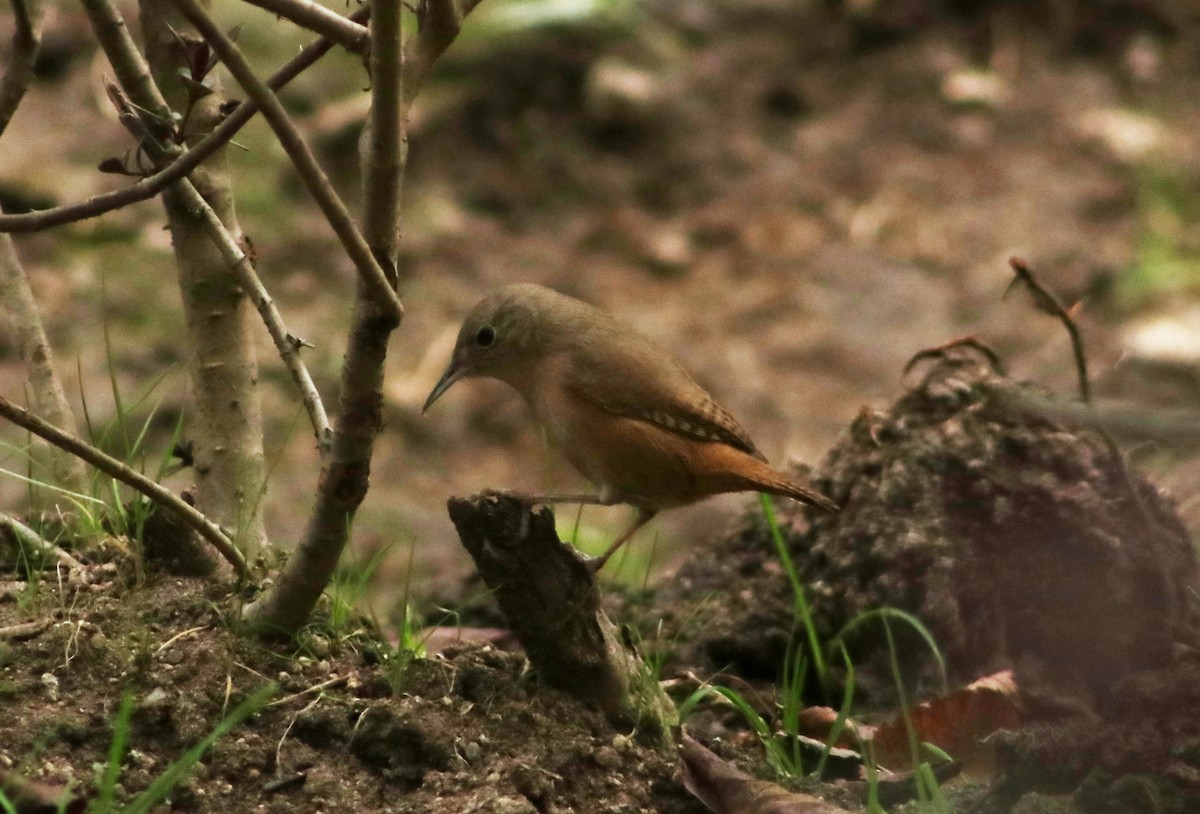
point(454, 372)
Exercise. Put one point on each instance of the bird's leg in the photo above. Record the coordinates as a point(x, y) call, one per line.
point(644, 516)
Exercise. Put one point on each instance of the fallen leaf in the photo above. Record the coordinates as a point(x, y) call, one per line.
point(728, 790)
point(955, 723)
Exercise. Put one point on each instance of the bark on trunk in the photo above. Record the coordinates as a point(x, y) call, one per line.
point(226, 423)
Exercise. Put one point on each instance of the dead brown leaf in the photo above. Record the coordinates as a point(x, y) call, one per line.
point(956, 723)
point(728, 790)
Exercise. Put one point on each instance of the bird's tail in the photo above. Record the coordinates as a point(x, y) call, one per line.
point(766, 479)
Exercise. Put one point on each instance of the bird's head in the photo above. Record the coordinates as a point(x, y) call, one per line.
point(498, 338)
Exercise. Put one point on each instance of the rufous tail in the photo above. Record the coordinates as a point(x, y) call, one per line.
point(767, 479)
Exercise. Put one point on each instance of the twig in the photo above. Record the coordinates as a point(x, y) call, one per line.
point(345, 472)
point(114, 468)
point(439, 22)
point(324, 685)
point(1050, 304)
point(383, 159)
point(1131, 422)
point(288, 349)
point(943, 351)
point(306, 164)
point(46, 393)
point(183, 634)
point(231, 252)
point(24, 630)
point(25, 536)
point(331, 25)
point(149, 187)
point(1047, 302)
point(26, 41)
point(130, 66)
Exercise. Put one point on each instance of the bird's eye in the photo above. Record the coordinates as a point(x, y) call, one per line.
point(486, 336)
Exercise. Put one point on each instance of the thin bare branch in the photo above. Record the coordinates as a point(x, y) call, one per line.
point(130, 66)
point(112, 467)
point(439, 22)
point(1049, 303)
point(383, 156)
point(26, 537)
point(345, 472)
point(329, 24)
point(1128, 421)
point(148, 187)
point(26, 41)
point(289, 350)
point(285, 344)
point(306, 164)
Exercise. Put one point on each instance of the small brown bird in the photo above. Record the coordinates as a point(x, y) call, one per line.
point(626, 415)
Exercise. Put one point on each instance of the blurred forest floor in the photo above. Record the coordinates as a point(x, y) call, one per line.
point(793, 197)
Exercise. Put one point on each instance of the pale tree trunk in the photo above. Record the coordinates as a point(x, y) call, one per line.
point(226, 420)
point(45, 389)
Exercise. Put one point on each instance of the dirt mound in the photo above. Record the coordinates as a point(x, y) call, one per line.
point(1018, 541)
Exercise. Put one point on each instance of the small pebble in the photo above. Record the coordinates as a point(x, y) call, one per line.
point(607, 758)
point(50, 682)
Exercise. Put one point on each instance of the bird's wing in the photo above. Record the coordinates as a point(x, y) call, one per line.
point(652, 388)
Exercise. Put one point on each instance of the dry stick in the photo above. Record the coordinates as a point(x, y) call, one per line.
point(1051, 305)
point(331, 25)
point(285, 344)
point(148, 187)
point(131, 68)
point(439, 23)
point(112, 467)
point(26, 537)
point(132, 71)
point(27, 39)
point(345, 473)
point(294, 145)
point(288, 348)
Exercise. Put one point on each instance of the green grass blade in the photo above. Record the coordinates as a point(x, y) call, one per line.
point(174, 773)
point(798, 595)
point(116, 753)
point(51, 487)
point(839, 723)
point(908, 619)
point(112, 370)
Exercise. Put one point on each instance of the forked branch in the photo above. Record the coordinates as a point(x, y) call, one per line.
point(298, 151)
point(152, 185)
point(438, 24)
point(120, 50)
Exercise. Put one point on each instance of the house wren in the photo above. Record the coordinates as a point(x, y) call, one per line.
point(626, 415)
